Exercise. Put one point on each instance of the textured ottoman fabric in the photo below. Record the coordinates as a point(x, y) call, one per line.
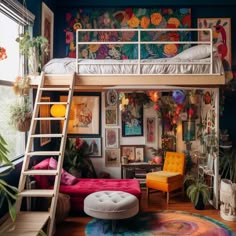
point(111, 205)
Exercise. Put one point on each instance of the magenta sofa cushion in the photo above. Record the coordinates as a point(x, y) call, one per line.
point(66, 178)
point(84, 187)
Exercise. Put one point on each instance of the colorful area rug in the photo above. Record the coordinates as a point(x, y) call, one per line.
point(160, 223)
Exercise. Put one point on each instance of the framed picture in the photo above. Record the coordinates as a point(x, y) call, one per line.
point(112, 97)
point(132, 119)
point(45, 125)
point(111, 116)
point(47, 28)
point(221, 28)
point(151, 129)
point(85, 114)
point(134, 153)
point(139, 154)
point(94, 146)
point(112, 137)
point(188, 128)
point(128, 151)
point(112, 157)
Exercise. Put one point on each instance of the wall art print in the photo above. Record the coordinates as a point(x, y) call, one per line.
point(112, 157)
point(221, 28)
point(85, 114)
point(117, 18)
point(132, 117)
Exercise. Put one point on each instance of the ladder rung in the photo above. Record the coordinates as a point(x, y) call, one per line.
point(49, 118)
point(40, 172)
point(37, 193)
point(44, 153)
point(47, 135)
point(55, 89)
point(26, 223)
point(51, 103)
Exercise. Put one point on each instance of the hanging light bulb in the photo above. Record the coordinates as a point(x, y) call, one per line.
point(154, 96)
point(58, 110)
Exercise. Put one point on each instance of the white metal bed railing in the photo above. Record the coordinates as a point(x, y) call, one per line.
point(139, 42)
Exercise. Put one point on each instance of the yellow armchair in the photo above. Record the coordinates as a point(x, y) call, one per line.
point(170, 178)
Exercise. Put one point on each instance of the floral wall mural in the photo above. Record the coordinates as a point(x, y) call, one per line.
point(110, 18)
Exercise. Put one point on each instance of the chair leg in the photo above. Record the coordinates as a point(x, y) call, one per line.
point(167, 197)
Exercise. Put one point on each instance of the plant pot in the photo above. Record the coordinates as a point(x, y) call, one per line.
point(200, 204)
point(24, 126)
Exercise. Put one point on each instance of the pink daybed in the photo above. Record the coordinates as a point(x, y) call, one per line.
point(82, 187)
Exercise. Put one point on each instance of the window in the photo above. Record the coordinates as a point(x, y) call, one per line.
point(11, 15)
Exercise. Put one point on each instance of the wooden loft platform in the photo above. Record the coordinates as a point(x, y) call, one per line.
point(100, 82)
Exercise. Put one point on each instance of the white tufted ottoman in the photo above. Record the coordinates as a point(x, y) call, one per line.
point(111, 205)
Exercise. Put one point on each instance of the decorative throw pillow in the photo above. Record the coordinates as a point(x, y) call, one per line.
point(195, 52)
point(66, 178)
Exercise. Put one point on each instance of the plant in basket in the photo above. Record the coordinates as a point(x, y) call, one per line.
point(21, 114)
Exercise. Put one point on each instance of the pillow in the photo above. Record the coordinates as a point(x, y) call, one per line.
point(42, 180)
point(66, 178)
point(195, 52)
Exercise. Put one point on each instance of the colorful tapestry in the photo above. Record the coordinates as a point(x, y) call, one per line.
point(123, 18)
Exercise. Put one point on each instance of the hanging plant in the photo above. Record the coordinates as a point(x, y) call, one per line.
point(21, 114)
point(21, 85)
point(33, 48)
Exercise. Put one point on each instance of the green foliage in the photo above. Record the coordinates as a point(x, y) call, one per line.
point(32, 48)
point(196, 187)
point(76, 159)
point(20, 111)
point(7, 192)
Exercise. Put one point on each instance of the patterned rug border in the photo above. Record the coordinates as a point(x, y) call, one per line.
point(224, 227)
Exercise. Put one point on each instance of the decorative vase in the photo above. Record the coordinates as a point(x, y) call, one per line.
point(157, 160)
point(200, 204)
point(228, 200)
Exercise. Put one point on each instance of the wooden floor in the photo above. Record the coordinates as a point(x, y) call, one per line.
point(75, 225)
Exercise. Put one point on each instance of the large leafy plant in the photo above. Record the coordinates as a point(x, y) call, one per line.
point(76, 159)
point(7, 192)
point(196, 186)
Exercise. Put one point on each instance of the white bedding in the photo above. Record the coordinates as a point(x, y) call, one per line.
point(88, 66)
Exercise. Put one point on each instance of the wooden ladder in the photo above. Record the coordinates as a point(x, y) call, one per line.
point(30, 223)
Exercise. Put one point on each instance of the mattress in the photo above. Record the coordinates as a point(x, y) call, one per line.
point(147, 66)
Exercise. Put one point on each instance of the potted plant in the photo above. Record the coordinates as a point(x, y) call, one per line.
point(158, 155)
point(33, 49)
point(21, 114)
point(76, 159)
point(197, 191)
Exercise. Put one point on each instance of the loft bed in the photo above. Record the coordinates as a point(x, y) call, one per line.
point(196, 65)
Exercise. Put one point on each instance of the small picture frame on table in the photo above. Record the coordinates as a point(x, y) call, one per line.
point(134, 153)
point(112, 157)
